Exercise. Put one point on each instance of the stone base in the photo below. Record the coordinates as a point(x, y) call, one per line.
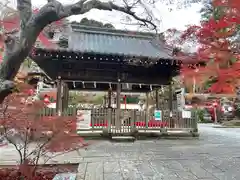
point(141, 134)
point(123, 138)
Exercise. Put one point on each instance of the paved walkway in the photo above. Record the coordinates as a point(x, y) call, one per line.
point(215, 156)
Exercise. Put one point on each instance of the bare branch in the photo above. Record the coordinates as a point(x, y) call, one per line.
point(25, 10)
point(133, 4)
point(48, 158)
point(54, 11)
point(6, 134)
point(81, 8)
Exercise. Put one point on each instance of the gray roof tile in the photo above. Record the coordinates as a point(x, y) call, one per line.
point(115, 43)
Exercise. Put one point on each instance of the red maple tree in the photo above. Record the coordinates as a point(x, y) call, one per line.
point(216, 49)
point(36, 138)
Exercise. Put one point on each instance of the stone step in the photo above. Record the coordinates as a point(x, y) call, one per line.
point(123, 138)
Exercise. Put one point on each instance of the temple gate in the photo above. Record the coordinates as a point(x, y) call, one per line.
point(98, 59)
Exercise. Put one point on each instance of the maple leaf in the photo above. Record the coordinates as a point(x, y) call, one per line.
point(35, 136)
point(215, 50)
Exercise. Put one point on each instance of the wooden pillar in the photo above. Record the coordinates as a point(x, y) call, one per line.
point(109, 111)
point(65, 96)
point(147, 101)
point(147, 109)
point(118, 105)
point(104, 101)
point(157, 99)
point(59, 103)
point(172, 123)
point(109, 98)
point(170, 97)
point(109, 118)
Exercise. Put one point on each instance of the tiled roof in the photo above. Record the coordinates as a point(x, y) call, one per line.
point(116, 42)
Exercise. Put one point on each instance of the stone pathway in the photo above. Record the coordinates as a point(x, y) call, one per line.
point(215, 156)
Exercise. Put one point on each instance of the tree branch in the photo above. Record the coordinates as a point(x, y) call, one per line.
point(83, 7)
point(25, 11)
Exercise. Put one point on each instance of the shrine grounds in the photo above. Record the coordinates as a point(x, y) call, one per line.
point(213, 156)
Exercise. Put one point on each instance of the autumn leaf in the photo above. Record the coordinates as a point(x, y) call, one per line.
point(52, 134)
point(219, 60)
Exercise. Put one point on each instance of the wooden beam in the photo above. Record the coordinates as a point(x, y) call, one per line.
point(107, 71)
point(105, 87)
point(76, 67)
point(112, 77)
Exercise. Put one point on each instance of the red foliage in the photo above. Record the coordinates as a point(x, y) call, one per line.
point(215, 49)
point(44, 172)
point(22, 114)
point(20, 118)
point(228, 3)
point(13, 174)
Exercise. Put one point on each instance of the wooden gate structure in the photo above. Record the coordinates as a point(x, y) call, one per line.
point(98, 59)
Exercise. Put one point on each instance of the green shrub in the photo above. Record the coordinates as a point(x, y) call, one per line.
point(200, 116)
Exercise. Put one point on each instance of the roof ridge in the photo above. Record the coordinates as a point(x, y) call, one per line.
point(108, 31)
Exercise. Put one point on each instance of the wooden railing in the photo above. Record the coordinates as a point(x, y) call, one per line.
point(105, 118)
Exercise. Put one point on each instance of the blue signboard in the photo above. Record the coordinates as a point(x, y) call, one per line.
point(158, 115)
point(65, 176)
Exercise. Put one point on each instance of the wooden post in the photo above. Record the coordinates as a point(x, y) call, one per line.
point(170, 97)
point(59, 103)
point(109, 119)
point(118, 105)
point(105, 101)
point(65, 96)
point(109, 112)
point(157, 99)
point(109, 97)
point(170, 105)
point(147, 109)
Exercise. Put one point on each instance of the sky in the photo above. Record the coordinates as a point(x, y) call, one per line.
point(168, 16)
point(168, 19)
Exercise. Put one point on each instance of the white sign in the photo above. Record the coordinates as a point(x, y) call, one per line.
point(180, 99)
point(83, 119)
point(127, 86)
point(186, 114)
point(158, 115)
